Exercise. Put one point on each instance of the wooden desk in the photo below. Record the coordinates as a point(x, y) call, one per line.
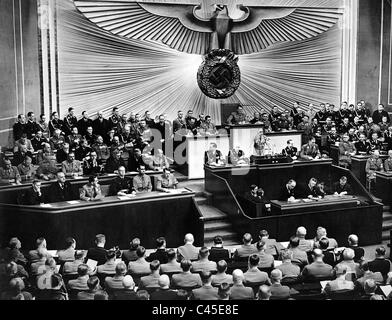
point(358, 166)
point(340, 219)
point(146, 216)
point(244, 135)
point(383, 189)
point(189, 153)
point(307, 205)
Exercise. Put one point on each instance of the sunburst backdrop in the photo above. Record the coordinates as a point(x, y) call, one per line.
point(98, 71)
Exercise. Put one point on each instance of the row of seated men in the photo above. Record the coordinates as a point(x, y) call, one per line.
point(122, 185)
point(197, 273)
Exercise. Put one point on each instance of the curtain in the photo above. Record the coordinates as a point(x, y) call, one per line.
point(99, 71)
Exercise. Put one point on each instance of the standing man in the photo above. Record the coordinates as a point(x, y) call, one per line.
point(237, 117)
point(84, 123)
point(290, 150)
point(70, 121)
point(179, 123)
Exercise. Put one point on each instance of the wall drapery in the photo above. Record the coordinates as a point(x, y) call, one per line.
point(98, 71)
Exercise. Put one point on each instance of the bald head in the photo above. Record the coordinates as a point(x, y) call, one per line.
point(128, 282)
point(189, 238)
point(264, 292)
point(301, 232)
point(238, 276)
point(164, 281)
point(318, 254)
point(353, 239)
point(276, 275)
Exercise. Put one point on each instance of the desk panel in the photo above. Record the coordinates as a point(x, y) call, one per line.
point(383, 188)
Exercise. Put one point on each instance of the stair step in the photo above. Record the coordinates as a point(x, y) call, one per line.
point(386, 216)
point(386, 235)
point(215, 225)
point(211, 213)
point(226, 243)
point(226, 235)
point(201, 200)
point(386, 226)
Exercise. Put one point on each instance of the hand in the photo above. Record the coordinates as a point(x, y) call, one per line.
point(310, 197)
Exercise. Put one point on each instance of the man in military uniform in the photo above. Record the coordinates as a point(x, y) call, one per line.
point(142, 182)
point(237, 117)
point(310, 151)
point(166, 181)
point(363, 147)
point(72, 168)
point(121, 185)
point(57, 140)
point(179, 123)
point(373, 164)
point(9, 174)
point(92, 190)
point(388, 162)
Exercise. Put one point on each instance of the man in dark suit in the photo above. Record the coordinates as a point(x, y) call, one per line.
point(318, 269)
point(310, 189)
point(160, 254)
point(238, 290)
point(186, 279)
point(100, 125)
point(128, 291)
point(84, 123)
point(34, 194)
point(207, 291)
point(342, 188)
point(289, 192)
point(121, 185)
point(98, 253)
point(150, 282)
point(135, 160)
point(164, 292)
point(114, 162)
point(380, 263)
point(271, 245)
point(379, 113)
point(246, 249)
point(278, 291)
point(61, 190)
point(290, 150)
point(217, 252)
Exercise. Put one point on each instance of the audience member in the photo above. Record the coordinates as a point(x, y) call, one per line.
point(188, 251)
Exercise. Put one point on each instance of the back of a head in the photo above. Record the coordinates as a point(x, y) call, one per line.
point(140, 251)
point(294, 242)
point(263, 234)
point(16, 285)
point(301, 232)
point(186, 265)
point(69, 242)
point(224, 290)
point(82, 270)
point(254, 260)
point(348, 254)
point(264, 292)
point(247, 238)
point(218, 240)
point(317, 254)
point(380, 252)
point(189, 238)
point(370, 286)
point(121, 268)
point(100, 238)
point(324, 243)
point(128, 282)
point(93, 282)
point(286, 254)
point(353, 239)
point(160, 242)
point(142, 295)
point(41, 242)
point(154, 265)
point(221, 266)
point(205, 276)
point(135, 243)
point(110, 254)
point(238, 275)
point(51, 263)
point(276, 275)
point(204, 252)
point(171, 254)
point(164, 281)
point(260, 245)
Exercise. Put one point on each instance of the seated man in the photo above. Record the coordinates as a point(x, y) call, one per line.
point(92, 165)
point(93, 288)
point(121, 185)
point(253, 275)
point(62, 154)
point(346, 151)
point(221, 276)
point(380, 263)
point(135, 160)
point(71, 267)
point(290, 150)
point(34, 195)
point(310, 151)
point(272, 246)
point(72, 168)
point(266, 259)
point(26, 169)
point(321, 233)
point(207, 291)
point(151, 281)
point(305, 245)
point(130, 254)
point(373, 164)
point(348, 260)
point(188, 250)
point(114, 162)
point(159, 161)
point(116, 282)
point(204, 264)
point(362, 146)
point(186, 279)
point(342, 188)
point(318, 269)
point(164, 292)
point(142, 182)
point(80, 284)
point(47, 169)
point(166, 181)
point(140, 266)
point(109, 267)
point(238, 290)
point(98, 253)
point(237, 157)
point(299, 256)
point(213, 156)
point(288, 269)
point(289, 192)
point(367, 274)
point(172, 266)
point(61, 190)
point(160, 253)
point(279, 291)
point(9, 174)
point(252, 194)
point(388, 162)
point(340, 283)
point(92, 190)
point(245, 250)
point(310, 190)
point(237, 117)
point(218, 252)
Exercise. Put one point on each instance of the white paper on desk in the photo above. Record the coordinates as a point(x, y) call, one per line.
point(386, 290)
point(46, 205)
point(78, 177)
point(308, 200)
point(53, 253)
point(91, 264)
point(111, 174)
point(73, 202)
point(285, 244)
point(323, 284)
point(277, 263)
point(123, 197)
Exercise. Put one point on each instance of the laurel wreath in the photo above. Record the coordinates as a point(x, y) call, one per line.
point(211, 60)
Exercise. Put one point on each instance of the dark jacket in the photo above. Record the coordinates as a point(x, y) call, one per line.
point(98, 254)
point(32, 198)
point(112, 164)
point(217, 254)
point(58, 194)
point(120, 184)
point(159, 254)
